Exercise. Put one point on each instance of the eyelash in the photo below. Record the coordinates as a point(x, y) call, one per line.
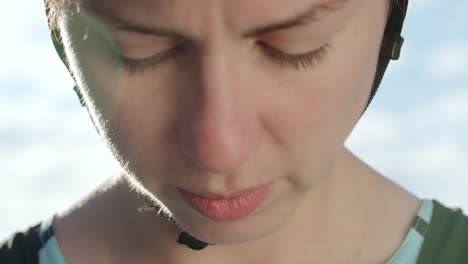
point(296, 60)
point(308, 59)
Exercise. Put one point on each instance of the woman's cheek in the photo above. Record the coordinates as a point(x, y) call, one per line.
point(316, 116)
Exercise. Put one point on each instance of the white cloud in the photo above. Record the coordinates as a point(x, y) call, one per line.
point(424, 149)
point(454, 108)
point(431, 159)
point(449, 110)
point(418, 6)
point(449, 60)
point(49, 160)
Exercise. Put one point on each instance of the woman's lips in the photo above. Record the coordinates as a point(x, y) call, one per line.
point(237, 206)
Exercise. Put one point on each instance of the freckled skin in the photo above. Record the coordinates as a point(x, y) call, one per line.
point(224, 117)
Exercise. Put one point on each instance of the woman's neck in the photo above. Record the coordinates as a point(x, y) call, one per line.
point(340, 219)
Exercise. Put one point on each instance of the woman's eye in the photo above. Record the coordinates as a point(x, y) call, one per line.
point(298, 61)
point(141, 65)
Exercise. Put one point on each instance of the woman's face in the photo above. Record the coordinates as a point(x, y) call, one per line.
point(217, 111)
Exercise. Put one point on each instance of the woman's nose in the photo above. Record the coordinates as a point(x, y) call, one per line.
point(218, 132)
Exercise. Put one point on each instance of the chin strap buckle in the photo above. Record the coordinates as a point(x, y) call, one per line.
point(193, 243)
point(391, 47)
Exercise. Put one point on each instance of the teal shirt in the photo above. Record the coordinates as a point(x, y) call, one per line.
point(409, 250)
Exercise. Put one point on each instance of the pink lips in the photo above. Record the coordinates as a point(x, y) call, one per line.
point(220, 208)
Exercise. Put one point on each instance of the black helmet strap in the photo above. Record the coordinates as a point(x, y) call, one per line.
point(391, 44)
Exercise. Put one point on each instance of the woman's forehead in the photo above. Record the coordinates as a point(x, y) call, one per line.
point(158, 3)
point(252, 17)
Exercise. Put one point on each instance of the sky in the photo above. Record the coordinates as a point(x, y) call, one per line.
point(414, 132)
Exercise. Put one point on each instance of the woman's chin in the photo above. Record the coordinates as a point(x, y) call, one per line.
point(231, 232)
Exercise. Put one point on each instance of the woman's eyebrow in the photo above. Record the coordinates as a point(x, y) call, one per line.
point(311, 14)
